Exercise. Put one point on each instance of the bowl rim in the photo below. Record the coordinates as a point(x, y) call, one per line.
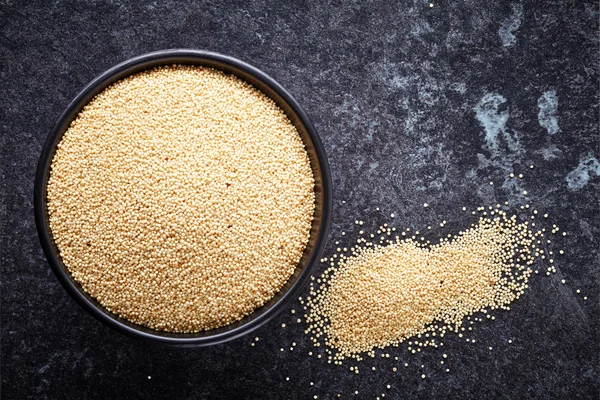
point(115, 73)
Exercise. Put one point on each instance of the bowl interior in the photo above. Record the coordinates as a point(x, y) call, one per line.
point(318, 163)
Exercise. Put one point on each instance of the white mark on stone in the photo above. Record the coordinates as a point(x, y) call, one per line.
point(589, 10)
point(548, 103)
point(513, 186)
point(459, 87)
point(491, 118)
point(503, 144)
point(580, 176)
point(510, 25)
point(549, 153)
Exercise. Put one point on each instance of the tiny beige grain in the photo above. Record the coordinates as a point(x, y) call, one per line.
point(181, 198)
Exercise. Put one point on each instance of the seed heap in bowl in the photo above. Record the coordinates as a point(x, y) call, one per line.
point(181, 198)
point(381, 294)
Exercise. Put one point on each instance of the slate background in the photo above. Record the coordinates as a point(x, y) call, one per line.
point(413, 103)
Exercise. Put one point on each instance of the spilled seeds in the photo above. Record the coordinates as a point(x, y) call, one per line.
point(394, 287)
point(400, 287)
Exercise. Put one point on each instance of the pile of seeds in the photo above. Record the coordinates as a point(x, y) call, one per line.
point(181, 198)
point(382, 294)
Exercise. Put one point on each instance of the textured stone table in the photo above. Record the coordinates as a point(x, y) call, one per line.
point(415, 104)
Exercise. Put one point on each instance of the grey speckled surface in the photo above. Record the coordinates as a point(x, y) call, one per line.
point(414, 104)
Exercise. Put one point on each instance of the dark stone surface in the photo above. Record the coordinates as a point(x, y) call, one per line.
point(414, 104)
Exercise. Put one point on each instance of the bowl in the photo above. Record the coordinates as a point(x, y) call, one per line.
point(318, 162)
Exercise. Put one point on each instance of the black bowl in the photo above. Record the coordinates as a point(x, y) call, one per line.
point(318, 161)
